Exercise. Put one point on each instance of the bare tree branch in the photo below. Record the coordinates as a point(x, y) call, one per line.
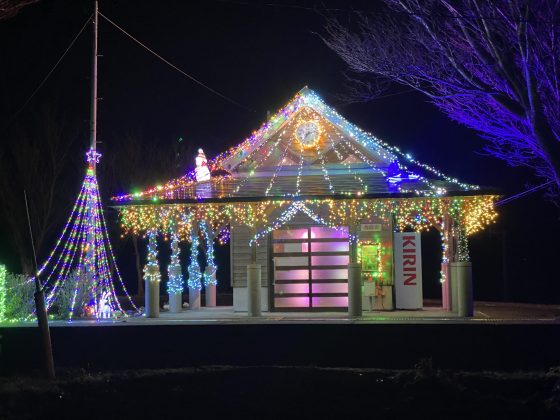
point(490, 65)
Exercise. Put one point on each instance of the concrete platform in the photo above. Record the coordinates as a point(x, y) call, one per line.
point(485, 312)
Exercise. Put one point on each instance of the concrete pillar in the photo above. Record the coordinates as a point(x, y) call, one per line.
point(151, 296)
point(210, 291)
point(254, 290)
point(463, 272)
point(446, 298)
point(354, 289)
point(175, 302)
point(175, 298)
point(194, 298)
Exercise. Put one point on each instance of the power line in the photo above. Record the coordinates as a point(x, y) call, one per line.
point(521, 194)
point(53, 69)
point(221, 95)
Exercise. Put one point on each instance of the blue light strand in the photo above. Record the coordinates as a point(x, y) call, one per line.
point(194, 267)
point(175, 282)
point(209, 278)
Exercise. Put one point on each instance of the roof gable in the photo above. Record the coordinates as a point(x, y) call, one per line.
point(279, 140)
point(307, 148)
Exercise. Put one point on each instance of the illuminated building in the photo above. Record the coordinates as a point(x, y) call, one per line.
point(317, 204)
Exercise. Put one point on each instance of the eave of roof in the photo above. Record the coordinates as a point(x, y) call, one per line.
point(303, 197)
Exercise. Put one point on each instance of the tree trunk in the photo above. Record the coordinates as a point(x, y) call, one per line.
point(140, 279)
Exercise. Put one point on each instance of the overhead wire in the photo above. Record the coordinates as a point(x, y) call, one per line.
point(53, 68)
point(522, 194)
point(192, 78)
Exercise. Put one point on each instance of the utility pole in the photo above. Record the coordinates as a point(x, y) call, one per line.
point(91, 265)
point(40, 307)
point(93, 115)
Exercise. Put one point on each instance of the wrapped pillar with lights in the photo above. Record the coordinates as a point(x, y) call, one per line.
point(152, 278)
point(445, 279)
point(460, 271)
point(175, 282)
point(195, 276)
point(209, 276)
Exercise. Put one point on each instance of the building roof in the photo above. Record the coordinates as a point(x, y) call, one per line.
point(307, 150)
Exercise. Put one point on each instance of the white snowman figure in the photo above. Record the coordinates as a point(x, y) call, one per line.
point(201, 171)
point(105, 310)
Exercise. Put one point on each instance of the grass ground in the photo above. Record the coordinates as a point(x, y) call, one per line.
point(284, 392)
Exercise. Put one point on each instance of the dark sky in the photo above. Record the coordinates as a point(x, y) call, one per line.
point(260, 56)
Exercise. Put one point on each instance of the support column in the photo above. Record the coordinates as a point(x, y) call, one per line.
point(254, 283)
point(354, 276)
point(354, 289)
point(210, 287)
point(194, 298)
point(463, 273)
point(152, 278)
point(254, 289)
point(211, 268)
point(151, 295)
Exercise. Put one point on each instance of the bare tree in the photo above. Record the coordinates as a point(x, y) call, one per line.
point(490, 65)
point(134, 164)
point(10, 8)
point(34, 160)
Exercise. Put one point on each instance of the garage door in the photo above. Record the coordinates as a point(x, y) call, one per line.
point(310, 268)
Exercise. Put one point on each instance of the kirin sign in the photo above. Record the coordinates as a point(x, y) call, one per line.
point(408, 271)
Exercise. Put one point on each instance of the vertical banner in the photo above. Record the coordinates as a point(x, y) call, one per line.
point(408, 271)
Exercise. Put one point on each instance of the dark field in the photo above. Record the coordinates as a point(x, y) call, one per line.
point(285, 392)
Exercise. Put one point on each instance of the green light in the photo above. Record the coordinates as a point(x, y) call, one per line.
point(2, 292)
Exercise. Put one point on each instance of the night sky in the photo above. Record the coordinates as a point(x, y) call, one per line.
point(259, 56)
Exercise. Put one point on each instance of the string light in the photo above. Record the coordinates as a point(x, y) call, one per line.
point(211, 268)
point(151, 269)
point(194, 267)
point(83, 256)
point(3, 291)
point(175, 282)
point(307, 107)
point(418, 213)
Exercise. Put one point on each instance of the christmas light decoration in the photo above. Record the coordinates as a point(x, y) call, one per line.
point(3, 291)
point(209, 273)
point(175, 282)
point(194, 267)
point(375, 275)
point(83, 255)
point(151, 269)
point(328, 127)
point(419, 213)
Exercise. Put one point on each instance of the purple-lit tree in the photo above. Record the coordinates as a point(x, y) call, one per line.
point(490, 65)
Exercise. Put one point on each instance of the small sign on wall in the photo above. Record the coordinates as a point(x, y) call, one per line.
point(408, 270)
point(370, 227)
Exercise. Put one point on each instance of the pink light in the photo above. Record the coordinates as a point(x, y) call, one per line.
point(336, 302)
point(292, 302)
point(330, 287)
point(291, 288)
